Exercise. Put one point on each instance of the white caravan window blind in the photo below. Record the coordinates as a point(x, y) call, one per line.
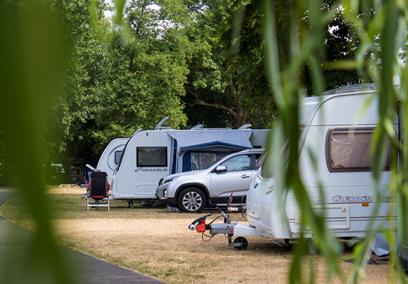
point(151, 156)
point(348, 149)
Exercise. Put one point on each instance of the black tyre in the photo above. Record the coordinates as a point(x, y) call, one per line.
point(240, 243)
point(191, 200)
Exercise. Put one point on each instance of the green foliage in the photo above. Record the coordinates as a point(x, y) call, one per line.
point(4, 172)
point(87, 71)
point(116, 85)
point(227, 69)
point(341, 43)
point(201, 60)
point(378, 30)
point(156, 57)
point(32, 56)
point(248, 60)
point(381, 38)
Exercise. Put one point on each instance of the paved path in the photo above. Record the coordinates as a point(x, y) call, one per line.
point(90, 269)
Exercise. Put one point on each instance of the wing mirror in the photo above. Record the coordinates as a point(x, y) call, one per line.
point(220, 169)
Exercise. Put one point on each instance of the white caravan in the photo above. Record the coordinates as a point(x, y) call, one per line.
point(337, 128)
point(152, 154)
point(111, 156)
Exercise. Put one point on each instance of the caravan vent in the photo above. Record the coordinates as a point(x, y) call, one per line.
point(245, 126)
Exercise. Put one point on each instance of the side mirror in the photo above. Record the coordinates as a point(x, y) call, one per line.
point(220, 169)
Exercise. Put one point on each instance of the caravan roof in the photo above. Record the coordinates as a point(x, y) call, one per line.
point(187, 140)
point(310, 105)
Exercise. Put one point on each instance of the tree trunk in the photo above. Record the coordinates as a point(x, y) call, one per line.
point(240, 114)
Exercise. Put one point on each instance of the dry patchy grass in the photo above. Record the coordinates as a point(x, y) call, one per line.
point(158, 243)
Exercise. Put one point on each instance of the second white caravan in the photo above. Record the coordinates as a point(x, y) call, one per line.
point(337, 128)
point(152, 154)
point(338, 131)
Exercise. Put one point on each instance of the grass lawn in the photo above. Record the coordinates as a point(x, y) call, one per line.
point(157, 242)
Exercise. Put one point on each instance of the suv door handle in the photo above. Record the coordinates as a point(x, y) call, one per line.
point(245, 176)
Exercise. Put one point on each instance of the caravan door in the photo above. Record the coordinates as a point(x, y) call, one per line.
point(151, 163)
point(147, 158)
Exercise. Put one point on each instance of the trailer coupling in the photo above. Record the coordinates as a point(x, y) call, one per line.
point(209, 230)
point(199, 224)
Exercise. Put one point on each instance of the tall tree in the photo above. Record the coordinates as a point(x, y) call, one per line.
point(116, 86)
point(227, 74)
point(227, 69)
point(88, 68)
point(146, 73)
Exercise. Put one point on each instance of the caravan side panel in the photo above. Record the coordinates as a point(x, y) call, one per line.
point(341, 167)
point(347, 186)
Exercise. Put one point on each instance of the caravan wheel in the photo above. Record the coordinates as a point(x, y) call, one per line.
point(240, 243)
point(191, 200)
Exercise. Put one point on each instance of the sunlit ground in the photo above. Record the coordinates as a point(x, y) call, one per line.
point(157, 242)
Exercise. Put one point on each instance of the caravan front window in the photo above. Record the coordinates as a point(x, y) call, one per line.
point(348, 149)
point(118, 156)
point(151, 156)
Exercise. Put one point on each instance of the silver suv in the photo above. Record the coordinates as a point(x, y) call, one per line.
point(193, 191)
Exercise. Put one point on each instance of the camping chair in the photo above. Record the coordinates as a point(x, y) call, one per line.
point(98, 191)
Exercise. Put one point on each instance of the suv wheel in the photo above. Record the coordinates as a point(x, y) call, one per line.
point(191, 200)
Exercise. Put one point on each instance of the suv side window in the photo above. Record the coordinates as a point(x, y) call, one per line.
point(238, 163)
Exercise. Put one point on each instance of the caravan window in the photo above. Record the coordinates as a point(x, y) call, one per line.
point(151, 156)
point(202, 160)
point(348, 149)
point(118, 155)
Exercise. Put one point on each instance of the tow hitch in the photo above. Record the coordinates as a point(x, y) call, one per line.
point(227, 228)
point(199, 224)
point(209, 230)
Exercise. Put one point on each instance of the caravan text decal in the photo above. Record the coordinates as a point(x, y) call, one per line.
point(351, 198)
point(144, 170)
